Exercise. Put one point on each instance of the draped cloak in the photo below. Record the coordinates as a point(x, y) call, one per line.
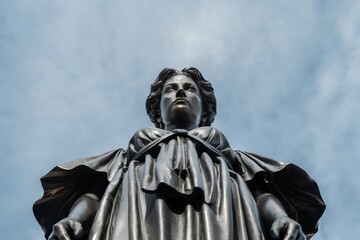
point(178, 185)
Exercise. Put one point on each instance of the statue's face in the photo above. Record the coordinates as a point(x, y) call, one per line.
point(180, 101)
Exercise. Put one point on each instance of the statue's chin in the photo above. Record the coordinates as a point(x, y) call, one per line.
point(182, 114)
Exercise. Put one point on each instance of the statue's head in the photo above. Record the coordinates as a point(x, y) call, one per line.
point(155, 106)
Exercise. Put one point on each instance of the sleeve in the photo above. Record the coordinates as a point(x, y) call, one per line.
point(295, 189)
point(64, 184)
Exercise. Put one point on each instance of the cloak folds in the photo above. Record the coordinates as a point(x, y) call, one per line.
point(177, 185)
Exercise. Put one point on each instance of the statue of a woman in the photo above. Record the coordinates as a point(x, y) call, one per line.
point(180, 180)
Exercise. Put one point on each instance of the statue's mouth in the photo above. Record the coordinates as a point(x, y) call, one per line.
point(181, 101)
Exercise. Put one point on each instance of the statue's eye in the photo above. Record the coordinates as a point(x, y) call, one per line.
point(191, 88)
point(169, 88)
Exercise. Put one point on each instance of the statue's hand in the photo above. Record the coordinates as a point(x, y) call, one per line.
point(66, 229)
point(287, 228)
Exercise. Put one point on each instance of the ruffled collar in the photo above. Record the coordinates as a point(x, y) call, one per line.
point(147, 140)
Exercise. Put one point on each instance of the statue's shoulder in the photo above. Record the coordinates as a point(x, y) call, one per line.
point(209, 134)
point(206, 131)
point(148, 134)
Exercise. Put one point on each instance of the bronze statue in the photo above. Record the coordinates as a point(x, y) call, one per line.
point(180, 180)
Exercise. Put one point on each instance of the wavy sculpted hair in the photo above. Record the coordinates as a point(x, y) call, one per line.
point(207, 94)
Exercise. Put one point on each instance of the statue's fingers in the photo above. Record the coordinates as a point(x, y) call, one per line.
point(61, 232)
point(301, 236)
point(52, 236)
point(78, 229)
point(64, 237)
point(290, 236)
point(275, 233)
point(276, 228)
point(292, 232)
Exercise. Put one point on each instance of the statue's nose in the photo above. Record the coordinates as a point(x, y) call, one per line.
point(180, 93)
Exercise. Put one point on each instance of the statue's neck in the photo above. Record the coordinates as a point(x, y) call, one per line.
point(181, 125)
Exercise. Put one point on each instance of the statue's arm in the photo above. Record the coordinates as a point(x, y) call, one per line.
point(276, 220)
point(79, 219)
point(273, 215)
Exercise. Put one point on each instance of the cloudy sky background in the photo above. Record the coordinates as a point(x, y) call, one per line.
point(75, 74)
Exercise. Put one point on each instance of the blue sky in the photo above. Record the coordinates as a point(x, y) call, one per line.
point(75, 75)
